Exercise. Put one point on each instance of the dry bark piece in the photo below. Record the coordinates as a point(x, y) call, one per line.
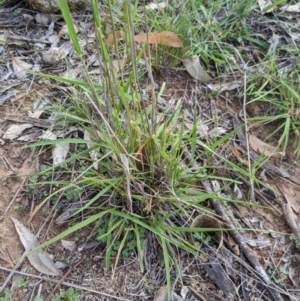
point(292, 220)
point(263, 148)
point(220, 277)
point(52, 6)
point(34, 121)
point(20, 67)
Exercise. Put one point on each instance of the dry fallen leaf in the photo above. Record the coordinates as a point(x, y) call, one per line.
point(68, 244)
point(93, 153)
point(20, 67)
point(292, 219)
point(291, 8)
point(291, 198)
point(194, 68)
point(56, 54)
point(65, 49)
point(263, 148)
point(237, 155)
point(166, 38)
point(16, 130)
point(39, 259)
point(110, 40)
point(161, 294)
point(60, 152)
point(201, 129)
point(65, 30)
point(224, 87)
point(263, 4)
point(156, 6)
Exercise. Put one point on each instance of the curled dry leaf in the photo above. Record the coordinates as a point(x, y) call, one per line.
point(48, 135)
point(201, 130)
point(126, 169)
point(237, 155)
point(156, 6)
point(259, 243)
point(93, 153)
point(16, 130)
point(295, 8)
point(194, 68)
point(39, 259)
point(60, 152)
point(231, 244)
point(20, 67)
point(290, 197)
point(56, 54)
point(292, 219)
point(263, 4)
point(112, 36)
point(65, 30)
point(221, 87)
point(161, 294)
point(166, 38)
point(68, 244)
point(206, 221)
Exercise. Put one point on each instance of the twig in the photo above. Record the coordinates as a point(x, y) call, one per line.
point(10, 166)
point(42, 123)
point(12, 272)
point(65, 283)
point(22, 38)
point(240, 241)
point(62, 279)
point(252, 194)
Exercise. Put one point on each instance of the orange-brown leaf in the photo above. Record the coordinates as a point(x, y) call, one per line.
point(110, 40)
point(166, 38)
point(237, 155)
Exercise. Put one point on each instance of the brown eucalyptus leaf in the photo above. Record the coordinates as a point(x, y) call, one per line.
point(166, 38)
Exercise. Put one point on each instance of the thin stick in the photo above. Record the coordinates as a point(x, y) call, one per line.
point(240, 241)
point(7, 162)
point(22, 38)
point(252, 193)
point(65, 283)
point(12, 272)
point(62, 279)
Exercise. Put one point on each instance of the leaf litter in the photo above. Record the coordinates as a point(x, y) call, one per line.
point(179, 86)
